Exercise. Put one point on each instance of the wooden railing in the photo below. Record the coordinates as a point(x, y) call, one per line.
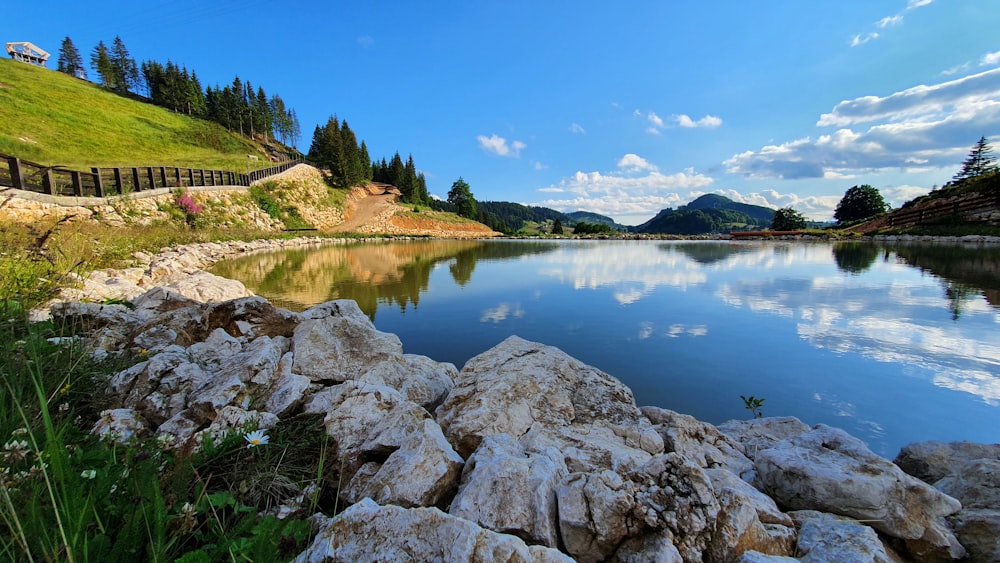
point(104, 182)
point(946, 207)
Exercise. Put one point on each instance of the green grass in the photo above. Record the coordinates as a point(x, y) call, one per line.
point(54, 119)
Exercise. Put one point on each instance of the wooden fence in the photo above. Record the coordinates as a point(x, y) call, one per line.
point(935, 211)
point(105, 182)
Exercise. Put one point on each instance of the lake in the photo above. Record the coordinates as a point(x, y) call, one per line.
point(892, 343)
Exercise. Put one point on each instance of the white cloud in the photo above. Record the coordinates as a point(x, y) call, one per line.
point(577, 128)
point(707, 121)
point(656, 120)
point(634, 162)
point(920, 128)
point(538, 165)
point(914, 4)
point(861, 39)
point(889, 21)
point(633, 193)
point(990, 59)
point(498, 145)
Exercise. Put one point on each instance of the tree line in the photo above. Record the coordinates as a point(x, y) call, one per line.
point(239, 107)
point(335, 148)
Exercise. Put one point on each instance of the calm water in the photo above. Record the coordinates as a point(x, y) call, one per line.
point(892, 343)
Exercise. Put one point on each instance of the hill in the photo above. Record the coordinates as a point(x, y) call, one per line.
point(710, 213)
point(594, 219)
point(55, 119)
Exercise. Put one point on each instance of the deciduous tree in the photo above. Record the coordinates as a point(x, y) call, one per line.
point(860, 202)
point(788, 219)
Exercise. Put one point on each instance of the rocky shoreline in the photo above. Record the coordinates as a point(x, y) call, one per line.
point(525, 454)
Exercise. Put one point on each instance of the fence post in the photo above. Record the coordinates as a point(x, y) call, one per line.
point(136, 179)
point(177, 175)
point(16, 174)
point(47, 183)
point(152, 177)
point(98, 182)
point(77, 178)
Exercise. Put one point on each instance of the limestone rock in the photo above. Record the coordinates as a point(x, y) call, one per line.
point(370, 422)
point(507, 490)
point(669, 497)
point(518, 386)
point(369, 532)
point(288, 391)
point(120, 425)
point(343, 345)
point(420, 378)
point(976, 484)
point(828, 470)
point(930, 461)
point(979, 531)
point(699, 441)
point(419, 473)
point(762, 433)
point(826, 537)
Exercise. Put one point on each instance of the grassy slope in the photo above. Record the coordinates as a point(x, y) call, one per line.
point(55, 119)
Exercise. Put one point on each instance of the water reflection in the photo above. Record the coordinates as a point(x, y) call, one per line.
point(855, 257)
point(394, 273)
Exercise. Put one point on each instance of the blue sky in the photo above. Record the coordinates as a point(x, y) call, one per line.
point(617, 108)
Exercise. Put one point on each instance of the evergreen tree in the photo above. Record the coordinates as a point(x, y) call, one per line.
point(70, 61)
point(123, 67)
point(557, 227)
point(196, 96)
point(100, 61)
point(396, 171)
point(461, 197)
point(365, 163)
point(979, 163)
point(352, 163)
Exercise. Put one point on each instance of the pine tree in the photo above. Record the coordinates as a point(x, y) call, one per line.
point(123, 68)
point(100, 61)
point(979, 163)
point(461, 197)
point(70, 61)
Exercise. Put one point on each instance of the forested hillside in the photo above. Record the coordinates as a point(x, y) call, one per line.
point(710, 213)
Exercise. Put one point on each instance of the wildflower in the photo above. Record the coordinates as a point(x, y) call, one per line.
point(64, 407)
point(256, 438)
point(15, 450)
point(64, 389)
point(88, 474)
point(20, 432)
point(143, 351)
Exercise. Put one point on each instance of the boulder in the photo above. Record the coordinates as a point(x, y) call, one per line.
point(288, 391)
point(699, 441)
point(423, 380)
point(667, 498)
point(420, 473)
point(508, 490)
point(369, 423)
point(827, 537)
point(979, 532)
point(762, 433)
point(369, 532)
point(341, 345)
point(519, 388)
point(975, 483)
point(119, 425)
point(930, 461)
point(828, 470)
point(748, 520)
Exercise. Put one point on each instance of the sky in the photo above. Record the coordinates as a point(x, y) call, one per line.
point(618, 108)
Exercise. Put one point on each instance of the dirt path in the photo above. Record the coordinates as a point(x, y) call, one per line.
point(367, 211)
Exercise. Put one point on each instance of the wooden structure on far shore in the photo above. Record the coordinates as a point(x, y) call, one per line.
point(27, 52)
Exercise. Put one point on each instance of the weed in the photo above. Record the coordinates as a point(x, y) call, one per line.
point(753, 404)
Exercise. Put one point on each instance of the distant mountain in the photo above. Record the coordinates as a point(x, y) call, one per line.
point(515, 215)
point(716, 201)
point(595, 219)
point(710, 213)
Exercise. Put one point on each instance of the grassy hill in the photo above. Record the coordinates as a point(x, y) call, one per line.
point(53, 118)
